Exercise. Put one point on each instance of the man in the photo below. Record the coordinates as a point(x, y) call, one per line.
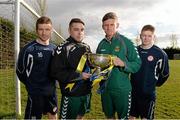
point(154, 72)
point(116, 96)
point(75, 101)
point(32, 70)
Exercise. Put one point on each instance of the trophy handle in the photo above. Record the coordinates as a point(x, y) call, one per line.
point(97, 70)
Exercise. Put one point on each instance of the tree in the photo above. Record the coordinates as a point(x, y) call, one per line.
point(137, 39)
point(155, 40)
point(7, 41)
point(173, 39)
point(40, 7)
point(28, 19)
point(56, 38)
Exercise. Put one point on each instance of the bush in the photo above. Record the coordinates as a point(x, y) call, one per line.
point(171, 51)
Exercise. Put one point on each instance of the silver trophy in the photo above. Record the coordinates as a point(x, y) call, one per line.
point(99, 61)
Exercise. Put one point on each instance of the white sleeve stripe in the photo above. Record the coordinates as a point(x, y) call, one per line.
point(21, 71)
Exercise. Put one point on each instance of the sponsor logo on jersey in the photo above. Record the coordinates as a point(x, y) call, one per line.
point(117, 49)
point(58, 51)
point(46, 49)
point(102, 50)
point(150, 58)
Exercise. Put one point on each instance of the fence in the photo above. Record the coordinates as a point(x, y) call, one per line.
point(176, 56)
point(7, 86)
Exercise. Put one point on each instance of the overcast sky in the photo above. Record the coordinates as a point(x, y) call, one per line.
point(133, 15)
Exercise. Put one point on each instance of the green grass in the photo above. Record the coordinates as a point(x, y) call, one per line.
point(168, 96)
point(167, 104)
point(7, 94)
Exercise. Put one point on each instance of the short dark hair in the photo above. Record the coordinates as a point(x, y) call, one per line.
point(110, 15)
point(148, 28)
point(43, 20)
point(75, 20)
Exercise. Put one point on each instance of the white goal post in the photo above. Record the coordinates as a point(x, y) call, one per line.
point(17, 47)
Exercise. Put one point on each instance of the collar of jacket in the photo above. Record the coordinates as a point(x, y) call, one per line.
point(114, 37)
point(71, 39)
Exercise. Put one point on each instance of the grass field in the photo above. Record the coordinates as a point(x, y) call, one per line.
point(167, 105)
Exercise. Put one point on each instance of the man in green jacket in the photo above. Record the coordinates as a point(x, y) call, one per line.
point(116, 96)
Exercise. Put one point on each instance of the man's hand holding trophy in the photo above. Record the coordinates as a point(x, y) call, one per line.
point(98, 69)
point(103, 64)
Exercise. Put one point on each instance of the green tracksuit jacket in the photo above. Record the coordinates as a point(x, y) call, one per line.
point(123, 48)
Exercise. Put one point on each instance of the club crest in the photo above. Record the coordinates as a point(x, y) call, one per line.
point(150, 58)
point(117, 49)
